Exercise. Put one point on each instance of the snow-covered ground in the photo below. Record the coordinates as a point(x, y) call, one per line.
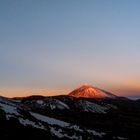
point(49, 120)
point(57, 127)
point(27, 122)
point(11, 111)
point(51, 103)
point(92, 107)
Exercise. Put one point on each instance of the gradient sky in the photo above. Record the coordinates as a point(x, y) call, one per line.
point(52, 46)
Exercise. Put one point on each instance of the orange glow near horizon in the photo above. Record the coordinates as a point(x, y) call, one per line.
point(22, 92)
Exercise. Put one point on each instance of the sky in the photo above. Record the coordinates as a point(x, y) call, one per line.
point(50, 47)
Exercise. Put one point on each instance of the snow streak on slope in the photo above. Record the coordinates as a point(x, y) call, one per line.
point(49, 120)
point(59, 132)
point(27, 122)
point(11, 111)
point(92, 107)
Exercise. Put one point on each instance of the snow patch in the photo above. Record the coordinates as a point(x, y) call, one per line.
point(60, 134)
point(49, 120)
point(75, 127)
point(10, 111)
point(52, 106)
point(63, 104)
point(27, 122)
point(95, 133)
point(119, 138)
point(40, 102)
point(57, 133)
point(92, 107)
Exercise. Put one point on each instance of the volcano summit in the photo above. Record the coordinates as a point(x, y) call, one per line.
point(89, 91)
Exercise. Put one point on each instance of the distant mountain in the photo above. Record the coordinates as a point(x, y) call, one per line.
point(70, 118)
point(88, 91)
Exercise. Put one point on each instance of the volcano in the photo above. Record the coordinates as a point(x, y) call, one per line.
point(89, 91)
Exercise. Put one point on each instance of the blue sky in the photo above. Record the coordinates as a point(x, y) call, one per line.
point(64, 43)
